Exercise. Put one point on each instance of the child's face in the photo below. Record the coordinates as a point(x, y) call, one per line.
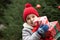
point(30, 18)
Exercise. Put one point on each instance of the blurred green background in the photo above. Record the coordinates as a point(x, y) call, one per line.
point(11, 15)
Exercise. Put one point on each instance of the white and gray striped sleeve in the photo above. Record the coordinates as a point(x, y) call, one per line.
point(27, 35)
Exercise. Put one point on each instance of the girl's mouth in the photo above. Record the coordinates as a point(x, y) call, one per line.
point(31, 22)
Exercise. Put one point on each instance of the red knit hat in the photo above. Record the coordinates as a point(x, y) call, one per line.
point(29, 10)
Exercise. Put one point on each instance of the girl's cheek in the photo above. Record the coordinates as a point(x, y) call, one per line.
point(28, 22)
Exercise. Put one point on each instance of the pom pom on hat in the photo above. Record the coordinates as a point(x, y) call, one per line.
point(29, 10)
point(28, 5)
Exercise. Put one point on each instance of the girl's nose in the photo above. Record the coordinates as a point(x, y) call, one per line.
point(32, 19)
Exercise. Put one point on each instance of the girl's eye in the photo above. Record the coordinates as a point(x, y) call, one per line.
point(33, 16)
point(28, 18)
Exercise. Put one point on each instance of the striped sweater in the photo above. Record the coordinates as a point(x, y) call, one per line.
point(27, 33)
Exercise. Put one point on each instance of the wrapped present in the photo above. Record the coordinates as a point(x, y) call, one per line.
point(53, 30)
point(54, 27)
point(42, 19)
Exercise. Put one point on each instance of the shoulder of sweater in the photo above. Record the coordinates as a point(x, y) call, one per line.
point(25, 25)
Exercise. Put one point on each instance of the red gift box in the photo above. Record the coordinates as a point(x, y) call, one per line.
point(54, 27)
point(43, 19)
point(53, 30)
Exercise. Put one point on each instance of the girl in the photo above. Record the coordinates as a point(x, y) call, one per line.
point(32, 31)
